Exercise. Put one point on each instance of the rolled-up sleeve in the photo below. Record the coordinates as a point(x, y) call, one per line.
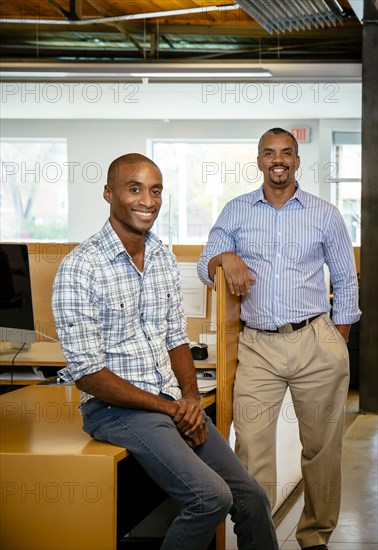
point(77, 318)
point(176, 321)
point(220, 240)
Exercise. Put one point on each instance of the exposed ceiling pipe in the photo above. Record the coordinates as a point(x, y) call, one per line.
point(128, 17)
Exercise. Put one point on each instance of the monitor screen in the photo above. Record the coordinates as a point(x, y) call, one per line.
point(16, 307)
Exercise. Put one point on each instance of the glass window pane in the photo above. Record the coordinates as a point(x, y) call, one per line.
point(34, 205)
point(348, 161)
point(349, 204)
point(347, 150)
point(199, 178)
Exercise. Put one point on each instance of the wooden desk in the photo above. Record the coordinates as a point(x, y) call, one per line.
point(59, 486)
point(40, 354)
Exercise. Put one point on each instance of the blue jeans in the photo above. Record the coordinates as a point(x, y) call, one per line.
point(208, 481)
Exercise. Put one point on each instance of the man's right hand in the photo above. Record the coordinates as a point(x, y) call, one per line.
point(238, 277)
point(189, 415)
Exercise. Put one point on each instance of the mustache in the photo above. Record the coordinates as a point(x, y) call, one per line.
point(279, 165)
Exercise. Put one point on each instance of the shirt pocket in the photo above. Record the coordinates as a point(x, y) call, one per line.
point(120, 321)
point(162, 305)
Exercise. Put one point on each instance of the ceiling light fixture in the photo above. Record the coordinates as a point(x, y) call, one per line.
point(121, 72)
point(252, 73)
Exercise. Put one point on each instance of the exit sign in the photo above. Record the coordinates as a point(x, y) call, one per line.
point(302, 134)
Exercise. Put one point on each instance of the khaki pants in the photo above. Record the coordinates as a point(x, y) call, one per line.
point(314, 363)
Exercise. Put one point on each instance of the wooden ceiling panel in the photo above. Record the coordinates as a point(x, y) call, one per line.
point(198, 36)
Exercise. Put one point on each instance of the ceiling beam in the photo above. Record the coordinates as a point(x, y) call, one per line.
point(59, 9)
point(76, 9)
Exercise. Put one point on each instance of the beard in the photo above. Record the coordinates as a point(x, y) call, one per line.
point(279, 178)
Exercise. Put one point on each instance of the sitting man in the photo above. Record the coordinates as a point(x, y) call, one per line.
point(118, 310)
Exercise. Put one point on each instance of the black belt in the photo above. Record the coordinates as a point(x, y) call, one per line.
point(291, 327)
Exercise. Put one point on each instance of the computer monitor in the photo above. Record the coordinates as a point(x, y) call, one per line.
point(16, 306)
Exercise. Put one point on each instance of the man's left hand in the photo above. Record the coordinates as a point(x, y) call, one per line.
point(198, 437)
point(344, 331)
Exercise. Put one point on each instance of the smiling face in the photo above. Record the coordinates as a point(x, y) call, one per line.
point(278, 161)
point(134, 194)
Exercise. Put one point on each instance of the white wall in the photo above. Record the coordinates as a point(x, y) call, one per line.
point(101, 122)
point(233, 100)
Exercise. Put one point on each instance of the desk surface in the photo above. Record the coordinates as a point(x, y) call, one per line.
point(50, 353)
point(54, 475)
point(39, 354)
point(61, 484)
point(45, 420)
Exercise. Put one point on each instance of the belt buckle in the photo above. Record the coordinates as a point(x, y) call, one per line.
point(285, 329)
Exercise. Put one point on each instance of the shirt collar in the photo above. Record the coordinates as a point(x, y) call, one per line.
point(299, 196)
point(114, 246)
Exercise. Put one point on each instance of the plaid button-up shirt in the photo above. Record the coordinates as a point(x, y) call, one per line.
point(108, 314)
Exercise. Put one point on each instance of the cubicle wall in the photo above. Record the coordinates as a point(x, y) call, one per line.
point(45, 259)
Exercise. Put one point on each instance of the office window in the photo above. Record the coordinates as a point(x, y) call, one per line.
point(347, 181)
point(34, 176)
point(199, 178)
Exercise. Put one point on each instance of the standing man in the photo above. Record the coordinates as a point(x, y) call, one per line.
point(273, 244)
point(118, 310)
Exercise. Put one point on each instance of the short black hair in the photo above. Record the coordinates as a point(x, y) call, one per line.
point(276, 132)
point(129, 158)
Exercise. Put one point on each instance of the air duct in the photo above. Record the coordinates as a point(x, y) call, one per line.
point(278, 16)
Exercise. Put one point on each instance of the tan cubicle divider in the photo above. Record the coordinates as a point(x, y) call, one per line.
point(45, 259)
point(228, 329)
point(195, 326)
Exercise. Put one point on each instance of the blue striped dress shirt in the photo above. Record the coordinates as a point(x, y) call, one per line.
point(286, 250)
point(108, 314)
